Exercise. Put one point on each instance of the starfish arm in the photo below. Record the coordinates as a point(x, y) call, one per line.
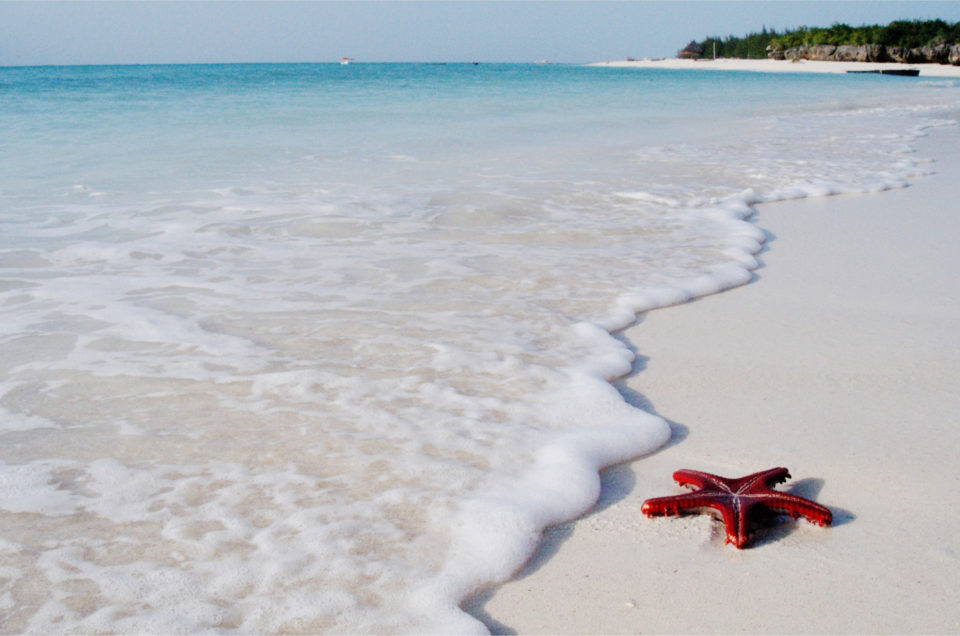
point(675, 504)
point(798, 507)
point(736, 517)
point(734, 511)
point(762, 479)
point(774, 476)
point(697, 479)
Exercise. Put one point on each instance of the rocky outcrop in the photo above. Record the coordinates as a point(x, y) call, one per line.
point(935, 53)
point(904, 55)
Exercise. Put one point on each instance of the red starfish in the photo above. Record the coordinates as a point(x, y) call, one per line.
point(735, 498)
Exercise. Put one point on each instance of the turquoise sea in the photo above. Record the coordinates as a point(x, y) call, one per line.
point(321, 348)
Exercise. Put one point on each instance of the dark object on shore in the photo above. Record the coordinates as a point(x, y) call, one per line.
point(905, 72)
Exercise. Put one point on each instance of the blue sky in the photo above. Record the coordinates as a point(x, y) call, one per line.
point(36, 32)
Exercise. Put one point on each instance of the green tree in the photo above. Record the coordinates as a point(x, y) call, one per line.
point(903, 33)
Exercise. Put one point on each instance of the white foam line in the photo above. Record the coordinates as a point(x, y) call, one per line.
point(500, 531)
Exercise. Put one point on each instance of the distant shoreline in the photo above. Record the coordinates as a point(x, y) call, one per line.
point(781, 66)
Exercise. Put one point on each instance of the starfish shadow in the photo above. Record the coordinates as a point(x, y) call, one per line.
point(809, 488)
point(770, 526)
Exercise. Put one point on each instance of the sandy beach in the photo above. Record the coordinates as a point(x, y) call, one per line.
point(783, 66)
point(839, 361)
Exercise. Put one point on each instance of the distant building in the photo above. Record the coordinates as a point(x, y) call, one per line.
point(691, 52)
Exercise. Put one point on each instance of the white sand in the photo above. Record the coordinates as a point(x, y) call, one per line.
point(783, 66)
point(841, 362)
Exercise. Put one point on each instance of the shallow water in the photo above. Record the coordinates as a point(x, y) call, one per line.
point(320, 348)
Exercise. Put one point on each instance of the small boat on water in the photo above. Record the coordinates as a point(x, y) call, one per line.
point(345, 60)
point(905, 72)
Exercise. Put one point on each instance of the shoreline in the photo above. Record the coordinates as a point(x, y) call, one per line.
point(837, 361)
point(781, 66)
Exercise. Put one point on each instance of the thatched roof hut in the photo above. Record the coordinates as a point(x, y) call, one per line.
point(691, 51)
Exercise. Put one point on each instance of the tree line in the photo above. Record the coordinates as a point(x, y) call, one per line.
point(901, 33)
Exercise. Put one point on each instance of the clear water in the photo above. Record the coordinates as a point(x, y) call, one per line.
point(322, 348)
